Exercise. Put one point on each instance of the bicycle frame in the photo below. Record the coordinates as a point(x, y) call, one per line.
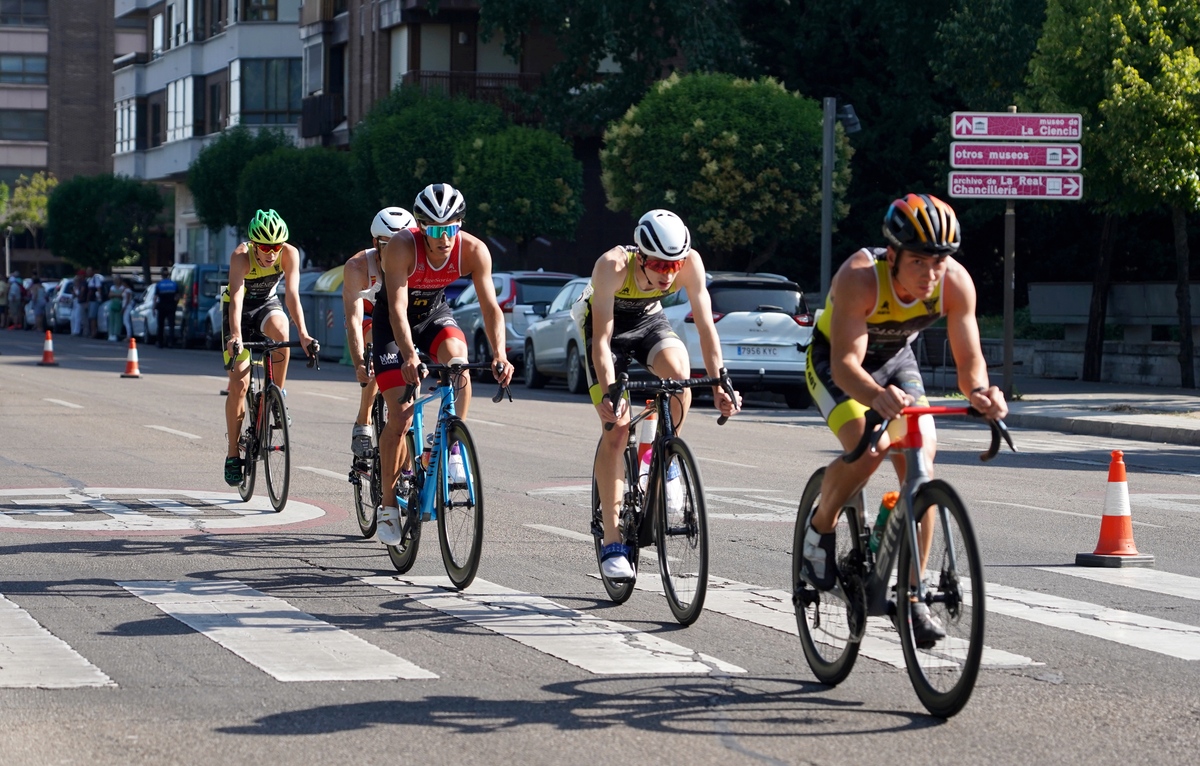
point(439, 452)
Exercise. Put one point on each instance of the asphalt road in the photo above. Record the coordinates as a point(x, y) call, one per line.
point(115, 521)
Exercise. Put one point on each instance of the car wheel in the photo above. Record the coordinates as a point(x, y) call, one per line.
point(797, 397)
point(533, 378)
point(576, 375)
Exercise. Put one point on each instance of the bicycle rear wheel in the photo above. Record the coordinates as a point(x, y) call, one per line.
point(682, 534)
point(367, 498)
point(943, 673)
point(405, 554)
point(248, 449)
point(823, 618)
point(460, 508)
point(619, 592)
point(277, 453)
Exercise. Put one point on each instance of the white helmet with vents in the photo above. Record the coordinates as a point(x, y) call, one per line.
point(438, 204)
point(391, 220)
point(662, 234)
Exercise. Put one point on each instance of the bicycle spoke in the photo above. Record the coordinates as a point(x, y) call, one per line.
point(683, 535)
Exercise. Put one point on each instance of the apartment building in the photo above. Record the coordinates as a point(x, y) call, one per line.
point(55, 98)
point(202, 66)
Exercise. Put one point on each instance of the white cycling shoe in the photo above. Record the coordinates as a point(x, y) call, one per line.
point(390, 529)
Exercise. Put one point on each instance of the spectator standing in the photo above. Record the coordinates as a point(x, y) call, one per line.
point(37, 297)
point(16, 303)
point(127, 307)
point(166, 294)
point(113, 305)
point(79, 308)
point(4, 306)
point(95, 283)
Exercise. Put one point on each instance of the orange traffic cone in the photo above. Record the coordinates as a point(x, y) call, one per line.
point(1116, 548)
point(48, 352)
point(131, 361)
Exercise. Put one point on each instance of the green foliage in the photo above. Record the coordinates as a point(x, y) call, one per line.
point(984, 48)
point(522, 183)
point(311, 190)
point(214, 175)
point(27, 206)
point(4, 202)
point(739, 160)
point(409, 140)
point(612, 51)
point(100, 220)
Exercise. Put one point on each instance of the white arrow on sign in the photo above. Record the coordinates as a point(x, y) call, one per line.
point(1069, 156)
point(1070, 186)
point(964, 125)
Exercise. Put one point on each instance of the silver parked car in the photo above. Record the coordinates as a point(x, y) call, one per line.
point(554, 346)
point(523, 297)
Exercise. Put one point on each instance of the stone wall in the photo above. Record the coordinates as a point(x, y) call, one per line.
point(1150, 364)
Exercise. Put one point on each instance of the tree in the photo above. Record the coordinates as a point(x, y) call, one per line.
point(522, 183)
point(27, 206)
point(311, 190)
point(409, 141)
point(739, 160)
point(4, 204)
point(102, 220)
point(213, 176)
point(1007, 30)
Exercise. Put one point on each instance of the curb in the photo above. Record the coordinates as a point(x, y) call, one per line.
point(1115, 429)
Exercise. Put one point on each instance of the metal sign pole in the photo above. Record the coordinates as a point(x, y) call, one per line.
point(1010, 246)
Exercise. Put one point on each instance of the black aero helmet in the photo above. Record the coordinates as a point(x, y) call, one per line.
point(922, 223)
point(438, 204)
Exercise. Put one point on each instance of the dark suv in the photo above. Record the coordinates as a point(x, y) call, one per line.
point(524, 297)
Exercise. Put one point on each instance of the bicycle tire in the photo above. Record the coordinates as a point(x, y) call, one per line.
point(823, 619)
point(959, 603)
point(619, 592)
point(460, 509)
point(276, 448)
point(367, 502)
point(682, 534)
point(404, 555)
point(248, 449)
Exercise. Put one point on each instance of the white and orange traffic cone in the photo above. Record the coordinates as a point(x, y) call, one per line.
point(48, 352)
point(1116, 548)
point(131, 361)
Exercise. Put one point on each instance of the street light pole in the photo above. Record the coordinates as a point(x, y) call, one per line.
point(7, 252)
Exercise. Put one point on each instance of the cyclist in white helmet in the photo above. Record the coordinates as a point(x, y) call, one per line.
point(361, 280)
point(620, 315)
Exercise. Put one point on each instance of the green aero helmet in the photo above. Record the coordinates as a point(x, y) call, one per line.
point(267, 228)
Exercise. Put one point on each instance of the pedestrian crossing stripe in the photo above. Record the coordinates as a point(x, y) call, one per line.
point(32, 657)
point(1180, 586)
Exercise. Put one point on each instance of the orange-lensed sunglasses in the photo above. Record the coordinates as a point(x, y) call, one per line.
point(269, 248)
point(663, 266)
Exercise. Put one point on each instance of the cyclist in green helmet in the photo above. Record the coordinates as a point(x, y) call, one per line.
point(251, 304)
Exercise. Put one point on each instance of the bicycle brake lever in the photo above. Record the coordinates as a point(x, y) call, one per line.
point(615, 393)
point(727, 387)
point(500, 392)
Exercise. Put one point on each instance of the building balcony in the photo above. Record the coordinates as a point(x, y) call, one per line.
point(170, 161)
point(316, 11)
point(321, 114)
point(125, 8)
point(490, 87)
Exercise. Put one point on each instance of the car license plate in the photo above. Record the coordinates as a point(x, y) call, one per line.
point(758, 351)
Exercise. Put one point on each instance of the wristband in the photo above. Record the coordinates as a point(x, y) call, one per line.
point(979, 389)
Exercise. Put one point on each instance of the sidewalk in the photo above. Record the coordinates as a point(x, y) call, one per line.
point(1148, 413)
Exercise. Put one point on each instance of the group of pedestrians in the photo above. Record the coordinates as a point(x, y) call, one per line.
point(15, 296)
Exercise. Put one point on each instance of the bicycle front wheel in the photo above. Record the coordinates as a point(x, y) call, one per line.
point(943, 672)
point(682, 534)
point(367, 498)
point(460, 506)
point(619, 592)
point(248, 449)
point(277, 454)
point(822, 617)
point(405, 554)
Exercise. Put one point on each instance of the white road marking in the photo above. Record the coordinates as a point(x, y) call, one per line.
point(473, 421)
point(567, 533)
point(173, 506)
point(327, 396)
point(710, 495)
point(1152, 580)
point(323, 472)
point(271, 634)
point(72, 405)
point(31, 657)
point(598, 646)
point(725, 462)
point(164, 429)
point(1064, 513)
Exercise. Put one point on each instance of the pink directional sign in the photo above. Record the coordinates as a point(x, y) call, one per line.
point(1033, 127)
point(1019, 156)
point(1003, 185)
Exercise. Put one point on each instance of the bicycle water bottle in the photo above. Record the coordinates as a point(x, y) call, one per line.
point(885, 509)
point(645, 433)
point(428, 453)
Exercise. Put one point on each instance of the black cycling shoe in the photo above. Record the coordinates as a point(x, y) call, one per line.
point(926, 627)
point(233, 471)
point(819, 564)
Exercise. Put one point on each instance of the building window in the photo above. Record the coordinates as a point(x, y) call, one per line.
point(156, 36)
point(24, 13)
point(10, 175)
point(216, 108)
point(261, 10)
point(22, 125)
point(179, 109)
point(126, 125)
point(271, 91)
point(23, 68)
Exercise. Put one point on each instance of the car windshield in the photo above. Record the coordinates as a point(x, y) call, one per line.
point(539, 290)
point(727, 299)
point(212, 283)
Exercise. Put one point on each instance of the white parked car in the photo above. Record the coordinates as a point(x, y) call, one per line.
point(519, 293)
point(765, 328)
point(554, 347)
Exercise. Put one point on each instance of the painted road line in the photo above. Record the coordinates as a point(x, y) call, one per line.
point(327, 396)
point(173, 506)
point(273, 635)
point(323, 472)
point(570, 534)
point(710, 496)
point(72, 405)
point(598, 646)
point(32, 657)
point(488, 423)
point(725, 462)
point(166, 430)
point(773, 609)
point(118, 511)
point(1152, 580)
point(1063, 513)
point(1150, 633)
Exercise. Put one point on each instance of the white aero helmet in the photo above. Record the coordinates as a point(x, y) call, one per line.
point(438, 204)
point(391, 220)
point(662, 234)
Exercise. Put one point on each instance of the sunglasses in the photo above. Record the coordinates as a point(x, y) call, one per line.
point(269, 248)
point(663, 266)
point(437, 232)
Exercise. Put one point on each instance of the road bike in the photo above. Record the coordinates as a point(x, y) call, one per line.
point(443, 483)
point(948, 579)
point(264, 432)
point(365, 474)
point(677, 527)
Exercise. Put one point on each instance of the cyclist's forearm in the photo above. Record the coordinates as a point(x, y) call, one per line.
point(297, 312)
point(495, 332)
point(403, 336)
point(606, 374)
point(856, 382)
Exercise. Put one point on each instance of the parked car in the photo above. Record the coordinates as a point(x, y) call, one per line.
point(212, 321)
point(143, 317)
point(554, 346)
point(199, 288)
point(30, 316)
point(523, 295)
point(765, 328)
point(60, 300)
point(455, 288)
